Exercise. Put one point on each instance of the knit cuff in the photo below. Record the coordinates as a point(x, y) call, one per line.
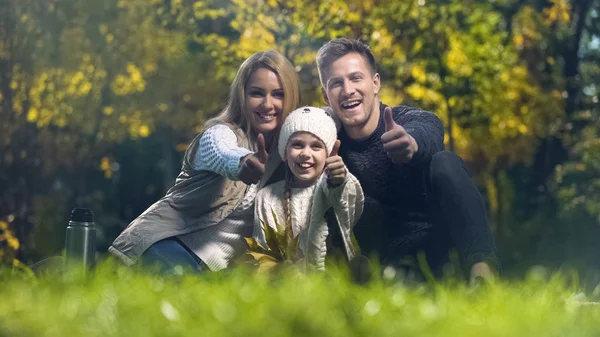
point(232, 162)
point(419, 158)
point(328, 187)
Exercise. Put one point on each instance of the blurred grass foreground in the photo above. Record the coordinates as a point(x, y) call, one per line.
point(117, 301)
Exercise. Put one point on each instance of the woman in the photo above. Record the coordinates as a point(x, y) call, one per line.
point(203, 219)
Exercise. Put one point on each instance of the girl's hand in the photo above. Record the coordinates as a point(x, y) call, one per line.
point(335, 167)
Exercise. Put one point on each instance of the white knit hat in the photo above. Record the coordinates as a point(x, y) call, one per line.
point(308, 119)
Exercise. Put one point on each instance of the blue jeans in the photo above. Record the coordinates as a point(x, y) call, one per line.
point(171, 256)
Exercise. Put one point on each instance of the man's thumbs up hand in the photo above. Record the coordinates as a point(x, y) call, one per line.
point(399, 145)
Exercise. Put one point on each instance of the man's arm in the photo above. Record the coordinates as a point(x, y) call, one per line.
point(426, 129)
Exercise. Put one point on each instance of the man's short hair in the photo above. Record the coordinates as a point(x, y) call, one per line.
point(340, 47)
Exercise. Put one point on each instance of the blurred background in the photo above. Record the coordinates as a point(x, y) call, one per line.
point(99, 99)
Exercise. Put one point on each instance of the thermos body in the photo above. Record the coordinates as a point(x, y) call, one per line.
point(80, 241)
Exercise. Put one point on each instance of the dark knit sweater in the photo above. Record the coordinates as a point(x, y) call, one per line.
point(400, 186)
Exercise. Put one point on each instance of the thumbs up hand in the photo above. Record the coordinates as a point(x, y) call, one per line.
point(335, 167)
point(399, 145)
point(252, 166)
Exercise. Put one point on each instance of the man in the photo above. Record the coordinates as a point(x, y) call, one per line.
point(418, 197)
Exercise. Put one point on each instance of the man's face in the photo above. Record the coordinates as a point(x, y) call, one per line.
point(351, 91)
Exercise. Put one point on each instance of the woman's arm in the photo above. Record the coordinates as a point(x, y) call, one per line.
point(219, 152)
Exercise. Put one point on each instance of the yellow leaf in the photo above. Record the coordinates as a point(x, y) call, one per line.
point(103, 29)
point(518, 40)
point(32, 114)
point(523, 128)
point(418, 72)
point(105, 166)
point(266, 263)
point(144, 130)
point(13, 243)
point(254, 245)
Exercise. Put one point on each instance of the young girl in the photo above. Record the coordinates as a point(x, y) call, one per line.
point(316, 179)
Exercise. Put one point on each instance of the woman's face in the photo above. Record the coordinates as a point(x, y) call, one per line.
point(305, 156)
point(264, 101)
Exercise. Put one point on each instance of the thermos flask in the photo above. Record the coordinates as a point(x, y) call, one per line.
point(80, 242)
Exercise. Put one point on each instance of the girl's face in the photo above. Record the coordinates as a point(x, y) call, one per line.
point(305, 156)
point(264, 101)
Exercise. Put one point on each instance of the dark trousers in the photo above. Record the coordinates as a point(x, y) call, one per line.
point(453, 218)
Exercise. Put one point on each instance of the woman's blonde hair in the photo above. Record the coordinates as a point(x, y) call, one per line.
point(235, 110)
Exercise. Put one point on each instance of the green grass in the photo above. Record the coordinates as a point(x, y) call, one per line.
point(117, 301)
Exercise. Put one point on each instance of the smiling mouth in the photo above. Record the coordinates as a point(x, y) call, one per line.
point(266, 117)
point(304, 166)
point(350, 104)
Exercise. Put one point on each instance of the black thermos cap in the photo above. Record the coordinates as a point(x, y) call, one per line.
point(82, 215)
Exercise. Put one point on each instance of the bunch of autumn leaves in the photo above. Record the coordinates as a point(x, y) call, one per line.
point(281, 251)
point(281, 254)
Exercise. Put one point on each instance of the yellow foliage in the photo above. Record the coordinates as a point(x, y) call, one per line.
point(32, 114)
point(144, 130)
point(492, 193)
point(132, 82)
point(255, 38)
point(518, 40)
point(525, 26)
point(305, 57)
point(388, 94)
point(105, 166)
point(523, 128)
point(416, 91)
point(61, 122)
point(418, 72)
point(558, 12)
point(85, 88)
point(9, 244)
point(456, 59)
point(103, 29)
point(150, 67)
point(17, 106)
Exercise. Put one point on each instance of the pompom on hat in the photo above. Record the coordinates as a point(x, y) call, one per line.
point(308, 119)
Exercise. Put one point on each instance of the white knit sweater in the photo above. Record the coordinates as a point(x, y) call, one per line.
point(217, 245)
point(308, 207)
